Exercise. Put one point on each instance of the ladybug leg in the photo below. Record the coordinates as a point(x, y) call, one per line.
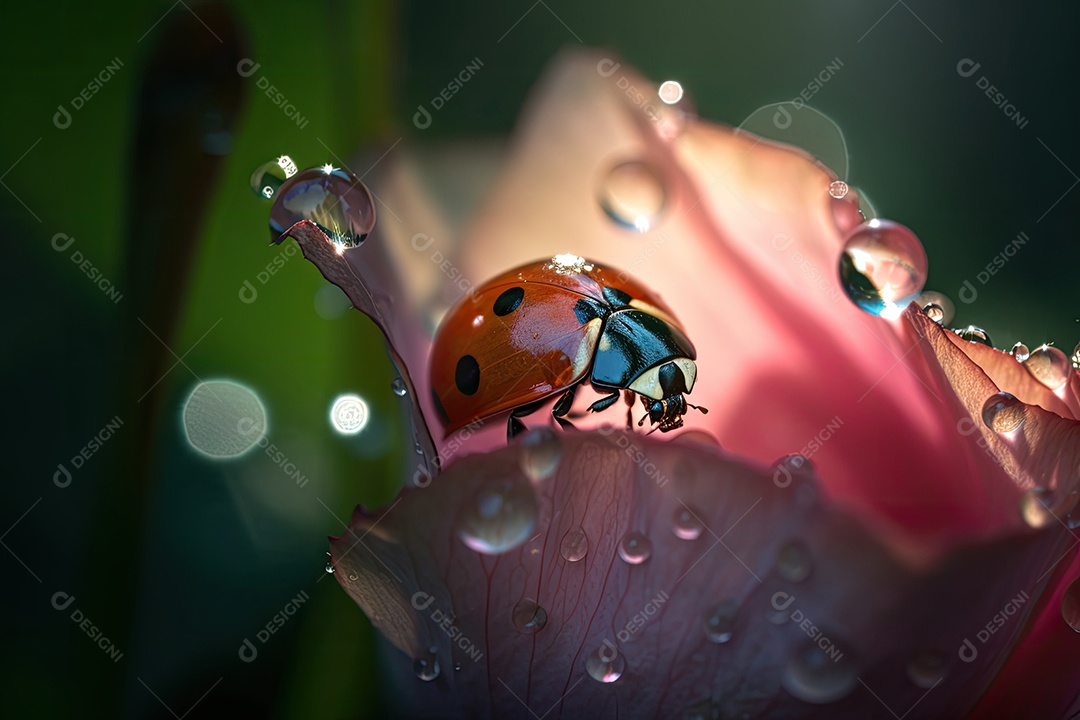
point(514, 426)
point(605, 402)
point(628, 396)
point(562, 407)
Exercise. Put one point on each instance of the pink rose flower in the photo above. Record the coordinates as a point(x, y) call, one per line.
point(879, 531)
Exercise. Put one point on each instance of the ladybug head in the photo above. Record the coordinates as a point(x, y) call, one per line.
point(670, 379)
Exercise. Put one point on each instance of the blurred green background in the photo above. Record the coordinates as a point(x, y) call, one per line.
point(178, 559)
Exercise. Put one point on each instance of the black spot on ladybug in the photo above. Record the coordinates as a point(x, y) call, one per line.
point(616, 297)
point(508, 302)
point(587, 310)
point(467, 375)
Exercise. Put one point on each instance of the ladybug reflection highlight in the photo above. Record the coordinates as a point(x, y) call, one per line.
point(550, 326)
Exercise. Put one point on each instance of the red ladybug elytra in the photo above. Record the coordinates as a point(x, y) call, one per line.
point(549, 326)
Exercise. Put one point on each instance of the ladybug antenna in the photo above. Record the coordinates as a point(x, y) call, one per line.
point(643, 419)
point(702, 410)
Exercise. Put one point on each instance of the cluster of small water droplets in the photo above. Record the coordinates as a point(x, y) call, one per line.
point(688, 524)
point(1020, 351)
point(541, 452)
point(719, 621)
point(528, 617)
point(605, 664)
point(927, 667)
point(1049, 365)
point(815, 675)
point(793, 561)
point(1003, 413)
point(974, 333)
point(882, 267)
point(499, 517)
point(633, 194)
point(574, 545)
point(426, 666)
point(635, 548)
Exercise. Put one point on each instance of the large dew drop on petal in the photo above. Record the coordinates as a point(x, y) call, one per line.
point(882, 267)
point(332, 198)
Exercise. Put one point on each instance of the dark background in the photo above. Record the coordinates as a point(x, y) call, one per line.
point(178, 559)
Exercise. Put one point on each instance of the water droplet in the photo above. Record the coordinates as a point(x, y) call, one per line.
point(688, 524)
point(798, 469)
point(605, 664)
point(633, 195)
point(1070, 605)
point(575, 544)
point(670, 91)
point(332, 198)
point(528, 617)
point(269, 177)
point(635, 548)
point(793, 561)
point(457, 667)
point(426, 666)
point(883, 267)
point(927, 667)
point(499, 517)
point(974, 333)
point(1003, 413)
point(399, 387)
point(1020, 352)
point(330, 569)
point(838, 189)
point(1035, 506)
point(719, 622)
point(943, 311)
point(541, 451)
point(1049, 365)
point(814, 675)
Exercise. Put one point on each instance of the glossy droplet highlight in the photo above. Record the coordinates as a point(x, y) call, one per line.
point(793, 561)
point(635, 548)
point(688, 524)
point(269, 177)
point(499, 517)
point(838, 189)
point(719, 621)
point(820, 675)
point(1020, 351)
point(1003, 413)
point(528, 617)
point(1070, 605)
point(1035, 506)
point(426, 666)
point(605, 664)
point(1075, 358)
point(1049, 365)
point(974, 333)
point(332, 198)
point(574, 545)
point(399, 388)
point(633, 195)
point(541, 452)
point(330, 569)
point(882, 267)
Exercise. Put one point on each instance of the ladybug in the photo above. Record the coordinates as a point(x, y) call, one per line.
point(546, 328)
